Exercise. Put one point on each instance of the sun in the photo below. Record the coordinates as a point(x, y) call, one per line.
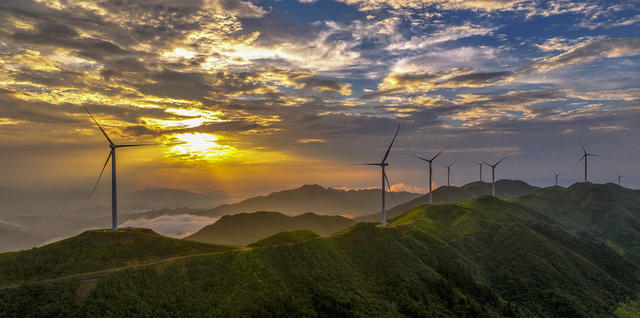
point(197, 146)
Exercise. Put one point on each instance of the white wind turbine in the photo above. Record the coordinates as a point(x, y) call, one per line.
point(449, 172)
point(112, 157)
point(493, 174)
point(585, 156)
point(556, 175)
point(480, 164)
point(383, 164)
point(430, 163)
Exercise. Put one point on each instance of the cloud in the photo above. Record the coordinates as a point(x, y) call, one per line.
point(486, 5)
point(311, 140)
point(399, 187)
point(176, 226)
point(323, 84)
point(445, 34)
point(412, 82)
point(439, 59)
point(587, 52)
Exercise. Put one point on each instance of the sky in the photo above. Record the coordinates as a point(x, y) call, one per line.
point(249, 97)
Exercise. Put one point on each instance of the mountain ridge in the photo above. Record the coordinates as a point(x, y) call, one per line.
point(484, 257)
point(244, 228)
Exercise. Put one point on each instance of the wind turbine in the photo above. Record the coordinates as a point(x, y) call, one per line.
point(112, 156)
point(430, 162)
point(449, 172)
point(555, 174)
point(619, 178)
point(480, 166)
point(584, 157)
point(382, 165)
point(493, 174)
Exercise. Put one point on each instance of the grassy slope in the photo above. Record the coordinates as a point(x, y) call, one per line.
point(287, 237)
point(94, 251)
point(484, 257)
point(245, 228)
point(606, 212)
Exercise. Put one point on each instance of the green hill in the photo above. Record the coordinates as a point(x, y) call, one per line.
point(94, 251)
point(287, 237)
point(245, 228)
point(607, 212)
point(479, 258)
point(448, 194)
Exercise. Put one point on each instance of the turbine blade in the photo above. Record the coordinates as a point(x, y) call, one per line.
point(102, 130)
point(427, 160)
point(441, 151)
point(436, 156)
point(448, 166)
point(501, 160)
point(101, 171)
point(390, 145)
point(582, 146)
point(388, 184)
point(581, 158)
point(137, 145)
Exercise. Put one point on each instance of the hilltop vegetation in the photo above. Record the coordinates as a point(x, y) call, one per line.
point(449, 194)
point(607, 212)
point(478, 258)
point(244, 228)
point(287, 237)
point(94, 251)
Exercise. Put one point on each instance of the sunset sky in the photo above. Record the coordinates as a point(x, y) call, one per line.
point(254, 96)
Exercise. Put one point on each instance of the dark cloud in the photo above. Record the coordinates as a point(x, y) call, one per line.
point(477, 79)
point(322, 84)
point(173, 84)
point(587, 52)
point(13, 108)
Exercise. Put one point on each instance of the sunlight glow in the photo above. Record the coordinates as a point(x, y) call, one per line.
point(197, 146)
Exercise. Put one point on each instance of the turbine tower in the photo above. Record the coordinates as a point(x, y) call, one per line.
point(449, 173)
point(556, 175)
point(112, 156)
point(430, 162)
point(493, 174)
point(383, 164)
point(619, 178)
point(584, 157)
point(480, 166)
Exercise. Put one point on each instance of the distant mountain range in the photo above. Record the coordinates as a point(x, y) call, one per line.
point(553, 252)
point(314, 198)
point(48, 218)
point(449, 194)
point(16, 202)
point(244, 228)
point(14, 238)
